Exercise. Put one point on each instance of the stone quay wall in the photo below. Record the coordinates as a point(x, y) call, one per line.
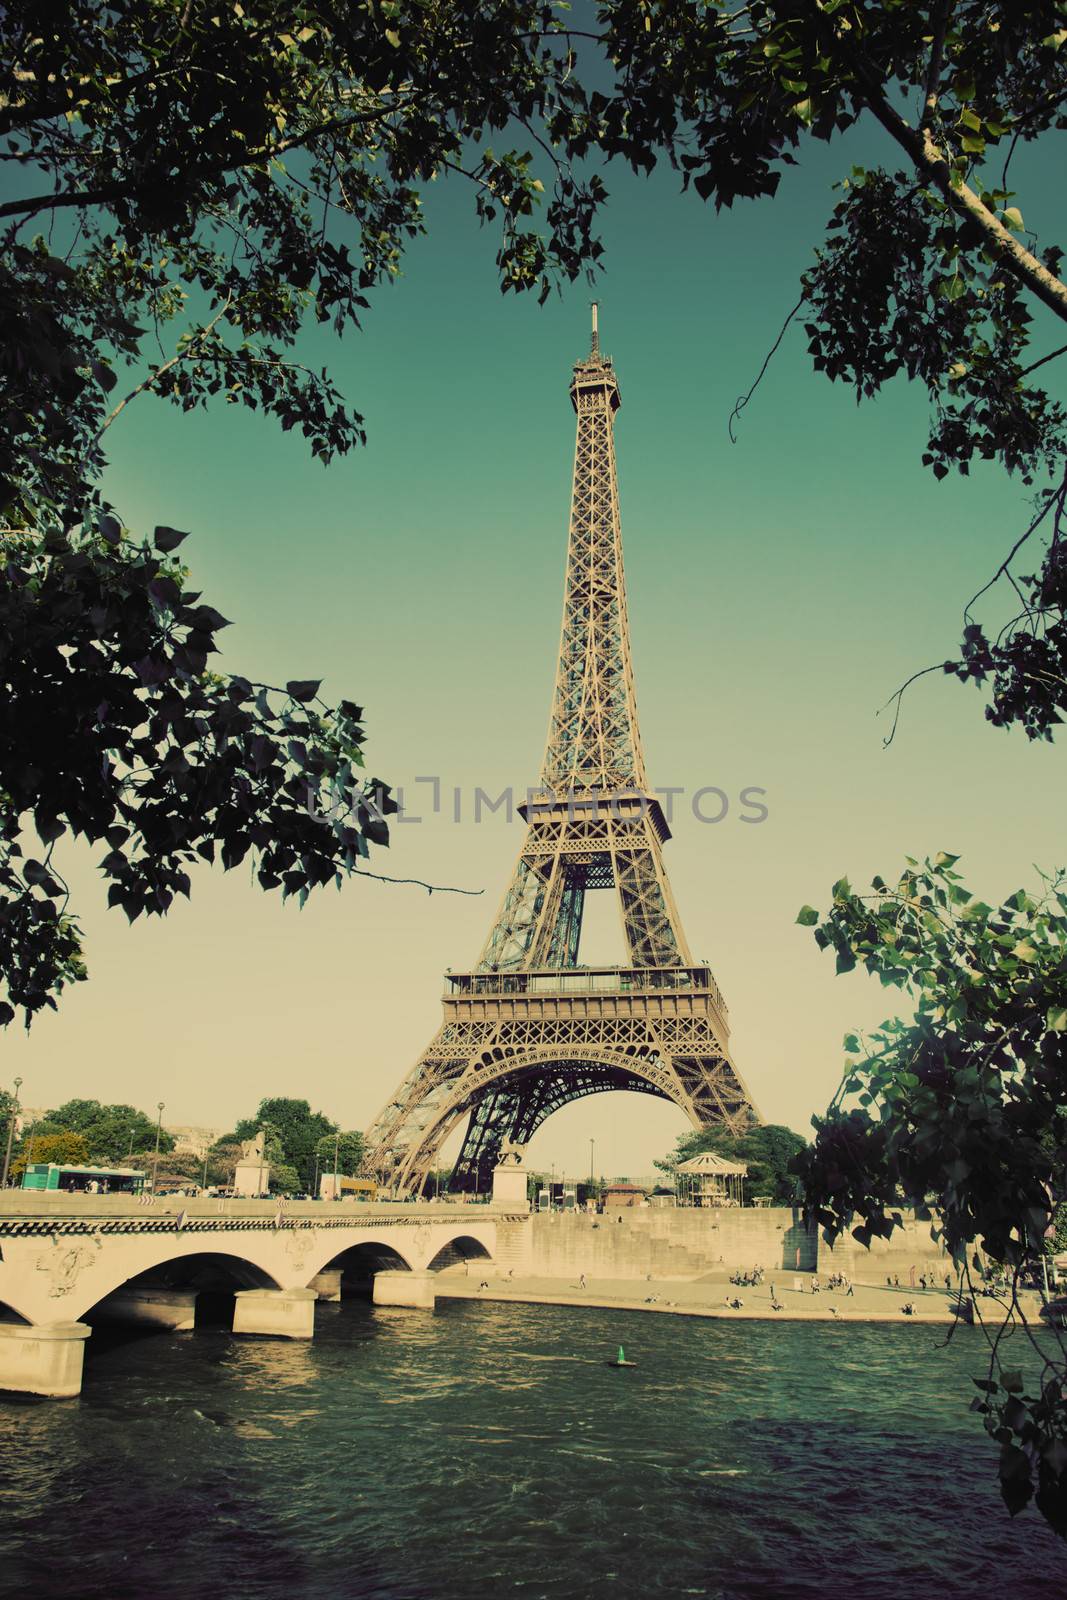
point(642, 1242)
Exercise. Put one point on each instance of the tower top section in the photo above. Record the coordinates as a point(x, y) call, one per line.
point(594, 384)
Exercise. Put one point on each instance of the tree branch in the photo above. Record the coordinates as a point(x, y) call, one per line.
point(933, 71)
point(1055, 497)
point(431, 888)
point(265, 154)
point(154, 377)
point(930, 160)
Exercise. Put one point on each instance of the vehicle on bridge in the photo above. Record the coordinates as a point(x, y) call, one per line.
point(342, 1188)
point(83, 1180)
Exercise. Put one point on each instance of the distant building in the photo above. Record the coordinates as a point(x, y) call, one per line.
point(27, 1116)
point(193, 1141)
point(618, 1196)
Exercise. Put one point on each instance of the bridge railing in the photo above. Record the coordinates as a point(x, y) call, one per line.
point(19, 1206)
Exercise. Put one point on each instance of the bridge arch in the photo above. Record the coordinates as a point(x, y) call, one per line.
point(455, 1252)
point(9, 1314)
point(358, 1263)
point(168, 1261)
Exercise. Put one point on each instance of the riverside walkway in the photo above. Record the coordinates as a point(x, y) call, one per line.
point(707, 1296)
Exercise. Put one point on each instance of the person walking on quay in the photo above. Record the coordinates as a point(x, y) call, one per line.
point(850, 1290)
point(581, 1280)
point(814, 1284)
point(911, 1276)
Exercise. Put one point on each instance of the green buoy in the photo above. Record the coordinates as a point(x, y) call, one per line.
point(621, 1361)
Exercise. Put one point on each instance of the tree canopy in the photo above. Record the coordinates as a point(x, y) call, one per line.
point(173, 221)
point(110, 1131)
point(348, 1151)
point(296, 1128)
point(63, 1148)
point(766, 1150)
point(959, 1114)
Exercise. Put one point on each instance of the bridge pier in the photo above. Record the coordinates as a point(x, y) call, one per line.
point(174, 1309)
point(43, 1360)
point(327, 1284)
point(414, 1289)
point(285, 1313)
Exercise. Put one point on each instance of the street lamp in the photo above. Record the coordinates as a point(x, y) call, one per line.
point(155, 1158)
point(336, 1162)
point(592, 1164)
point(11, 1132)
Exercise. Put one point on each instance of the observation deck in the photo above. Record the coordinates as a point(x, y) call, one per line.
point(587, 992)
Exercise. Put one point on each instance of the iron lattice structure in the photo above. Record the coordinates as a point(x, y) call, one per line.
point(528, 1030)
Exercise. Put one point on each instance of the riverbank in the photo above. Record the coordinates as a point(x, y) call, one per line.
point(708, 1295)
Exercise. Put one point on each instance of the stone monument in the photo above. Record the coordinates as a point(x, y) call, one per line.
point(252, 1175)
point(509, 1177)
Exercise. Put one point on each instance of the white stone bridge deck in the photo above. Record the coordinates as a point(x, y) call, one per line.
point(113, 1258)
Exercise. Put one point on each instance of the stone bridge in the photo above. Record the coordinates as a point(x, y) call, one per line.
point(110, 1258)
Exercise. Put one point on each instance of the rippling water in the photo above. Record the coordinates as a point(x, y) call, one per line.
point(489, 1450)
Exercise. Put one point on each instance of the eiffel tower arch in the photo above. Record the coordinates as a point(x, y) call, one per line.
point(527, 1030)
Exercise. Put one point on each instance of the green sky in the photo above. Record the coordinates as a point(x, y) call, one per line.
point(780, 590)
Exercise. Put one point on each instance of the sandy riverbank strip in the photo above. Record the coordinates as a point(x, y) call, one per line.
point(706, 1297)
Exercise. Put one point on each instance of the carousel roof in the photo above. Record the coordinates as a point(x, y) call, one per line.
point(712, 1165)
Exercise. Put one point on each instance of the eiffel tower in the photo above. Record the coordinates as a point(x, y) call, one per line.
point(528, 1030)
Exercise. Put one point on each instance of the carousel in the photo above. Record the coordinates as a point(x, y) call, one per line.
point(710, 1180)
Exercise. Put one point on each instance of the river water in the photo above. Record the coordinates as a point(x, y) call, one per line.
point(488, 1450)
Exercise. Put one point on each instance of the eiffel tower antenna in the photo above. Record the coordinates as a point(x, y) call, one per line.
point(528, 1030)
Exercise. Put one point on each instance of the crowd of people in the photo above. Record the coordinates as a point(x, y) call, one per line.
point(748, 1280)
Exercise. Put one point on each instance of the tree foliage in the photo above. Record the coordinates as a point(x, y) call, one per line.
point(189, 186)
point(109, 1131)
point(959, 1113)
point(63, 1148)
point(296, 1128)
point(113, 729)
point(348, 1151)
point(766, 1150)
point(284, 1179)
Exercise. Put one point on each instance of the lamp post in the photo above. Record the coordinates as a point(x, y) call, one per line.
point(11, 1132)
point(155, 1157)
point(592, 1163)
point(336, 1161)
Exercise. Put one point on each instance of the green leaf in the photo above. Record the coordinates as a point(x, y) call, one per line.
point(167, 539)
point(1012, 218)
point(303, 688)
point(807, 916)
point(1056, 1021)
